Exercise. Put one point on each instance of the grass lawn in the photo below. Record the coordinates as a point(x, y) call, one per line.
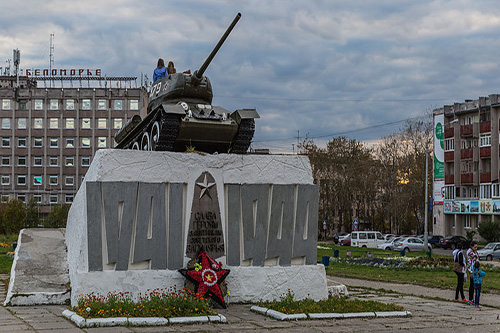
point(436, 278)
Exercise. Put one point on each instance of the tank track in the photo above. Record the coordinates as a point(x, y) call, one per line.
point(169, 130)
point(243, 137)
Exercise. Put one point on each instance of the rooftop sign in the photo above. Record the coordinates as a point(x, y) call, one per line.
point(77, 72)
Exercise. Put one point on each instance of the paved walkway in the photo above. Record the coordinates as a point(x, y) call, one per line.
point(428, 316)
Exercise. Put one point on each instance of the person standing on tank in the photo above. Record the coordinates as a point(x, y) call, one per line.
point(160, 70)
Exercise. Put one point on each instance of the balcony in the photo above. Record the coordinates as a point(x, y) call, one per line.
point(485, 177)
point(466, 130)
point(467, 178)
point(485, 152)
point(449, 132)
point(485, 127)
point(449, 156)
point(466, 153)
point(449, 179)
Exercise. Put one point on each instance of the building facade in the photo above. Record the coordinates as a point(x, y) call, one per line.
point(471, 165)
point(50, 134)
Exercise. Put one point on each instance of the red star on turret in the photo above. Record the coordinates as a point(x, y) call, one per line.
point(207, 279)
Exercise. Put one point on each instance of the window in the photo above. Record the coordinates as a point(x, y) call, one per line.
point(134, 104)
point(37, 160)
point(449, 144)
point(22, 104)
point(54, 123)
point(85, 160)
point(70, 104)
point(85, 122)
point(69, 123)
point(70, 142)
point(5, 197)
point(485, 190)
point(38, 123)
point(21, 123)
point(6, 142)
point(21, 142)
point(5, 160)
point(53, 179)
point(38, 104)
point(85, 142)
point(38, 198)
point(5, 104)
point(5, 179)
point(21, 161)
point(467, 222)
point(68, 198)
point(101, 142)
point(53, 161)
point(495, 189)
point(117, 123)
point(485, 140)
point(85, 104)
point(371, 235)
point(102, 123)
point(118, 104)
point(21, 180)
point(69, 161)
point(21, 197)
point(37, 180)
point(69, 180)
point(5, 123)
point(54, 104)
point(54, 142)
point(38, 141)
point(101, 104)
point(53, 198)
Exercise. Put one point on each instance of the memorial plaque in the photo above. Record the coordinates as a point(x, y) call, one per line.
point(205, 226)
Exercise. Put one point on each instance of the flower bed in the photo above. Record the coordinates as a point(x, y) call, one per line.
point(399, 262)
point(165, 303)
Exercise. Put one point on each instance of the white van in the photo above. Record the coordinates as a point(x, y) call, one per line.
point(366, 238)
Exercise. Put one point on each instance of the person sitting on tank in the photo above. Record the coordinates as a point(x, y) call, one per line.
point(170, 68)
point(160, 70)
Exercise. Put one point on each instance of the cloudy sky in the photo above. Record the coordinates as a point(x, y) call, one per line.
point(356, 68)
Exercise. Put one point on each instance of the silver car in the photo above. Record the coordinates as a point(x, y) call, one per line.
point(389, 245)
point(410, 244)
point(490, 252)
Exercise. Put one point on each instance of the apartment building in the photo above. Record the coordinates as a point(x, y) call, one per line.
point(470, 144)
point(49, 134)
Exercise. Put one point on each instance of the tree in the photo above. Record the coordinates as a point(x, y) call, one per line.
point(489, 230)
point(32, 214)
point(58, 217)
point(14, 217)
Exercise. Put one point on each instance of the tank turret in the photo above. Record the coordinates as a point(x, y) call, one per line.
point(181, 115)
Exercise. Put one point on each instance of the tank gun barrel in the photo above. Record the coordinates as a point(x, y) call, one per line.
point(198, 74)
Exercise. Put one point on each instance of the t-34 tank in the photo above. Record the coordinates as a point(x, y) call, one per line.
point(181, 115)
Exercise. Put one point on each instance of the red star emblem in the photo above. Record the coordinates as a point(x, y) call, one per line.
point(207, 280)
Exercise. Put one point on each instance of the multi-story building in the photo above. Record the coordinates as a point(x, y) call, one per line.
point(471, 165)
point(49, 135)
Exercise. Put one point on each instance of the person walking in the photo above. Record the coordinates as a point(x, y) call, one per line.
point(459, 269)
point(478, 281)
point(472, 258)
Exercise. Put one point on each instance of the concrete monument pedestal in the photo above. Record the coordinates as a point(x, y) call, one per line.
point(139, 217)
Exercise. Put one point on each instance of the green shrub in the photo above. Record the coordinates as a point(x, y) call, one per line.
point(489, 230)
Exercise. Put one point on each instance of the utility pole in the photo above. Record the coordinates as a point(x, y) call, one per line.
point(426, 236)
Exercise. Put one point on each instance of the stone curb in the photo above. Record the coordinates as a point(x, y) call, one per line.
point(139, 321)
point(281, 316)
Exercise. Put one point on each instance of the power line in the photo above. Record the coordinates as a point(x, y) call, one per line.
point(345, 132)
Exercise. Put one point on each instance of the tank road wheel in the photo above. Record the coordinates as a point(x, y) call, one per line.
point(145, 142)
point(135, 146)
point(155, 135)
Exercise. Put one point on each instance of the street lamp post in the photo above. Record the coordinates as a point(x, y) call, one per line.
point(426, 198)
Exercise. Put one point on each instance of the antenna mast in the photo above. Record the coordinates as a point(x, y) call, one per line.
point(51, 56)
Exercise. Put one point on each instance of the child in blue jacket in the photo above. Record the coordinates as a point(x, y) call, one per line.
point(477, 275)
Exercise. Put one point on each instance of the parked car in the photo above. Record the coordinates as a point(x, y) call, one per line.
point(489, 252)
point(388, 237)
point(410, 244)
point(346, 241)
point(367, 239)
point(389, 245)
point(451, 242)
point(336, 237)
point(435, 240)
